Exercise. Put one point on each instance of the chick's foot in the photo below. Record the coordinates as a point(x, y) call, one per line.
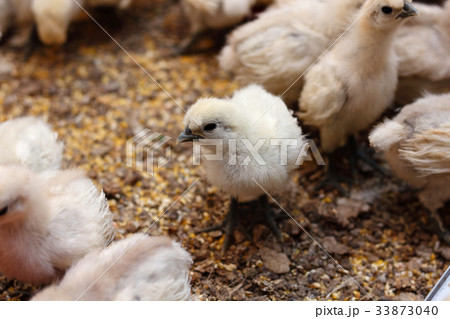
point(361, 153)
point(229, 225)
point(332, 179)
point(267, 216)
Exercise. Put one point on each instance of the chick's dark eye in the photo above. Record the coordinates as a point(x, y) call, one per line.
point(386, 10)
point(210, 127)
point(3, 211)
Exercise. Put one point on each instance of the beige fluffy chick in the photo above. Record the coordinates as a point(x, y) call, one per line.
point(48, 221)
point(30, 142)
point(416, 144)
point(423, 48)
point(261, 142)
point(279, 46)
point(136, 268)
point(354, 83)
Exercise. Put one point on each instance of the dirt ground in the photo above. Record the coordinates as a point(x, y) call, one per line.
point(96, 97)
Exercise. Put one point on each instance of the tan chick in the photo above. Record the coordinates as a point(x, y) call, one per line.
point(261, 144)
point(136, 268)
point(423, 48)
point(279, 46)
point(48, 221)
point(354, 83)
point(416, 144)
point(29, 141)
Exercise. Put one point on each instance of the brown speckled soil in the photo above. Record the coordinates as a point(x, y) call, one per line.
point(96, 97)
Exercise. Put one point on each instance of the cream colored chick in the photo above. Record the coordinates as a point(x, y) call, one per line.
point(136, 268)
point(423, 47)
point(354, 83)
point(261, 142)
point(30, 142)
point(48, 221)
point(279, 46)
point(416, 145)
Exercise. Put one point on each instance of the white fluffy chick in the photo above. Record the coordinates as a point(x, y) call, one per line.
point(262, 142)
point(416, 145)
point(354, 83)
point(139, 267)
point(48, 221)
point(30, 142)
point(423, 48)
point(279, 46)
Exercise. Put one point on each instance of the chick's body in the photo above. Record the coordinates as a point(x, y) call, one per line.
point(252, 117)
point(255, 141)
point(136, 268)
point(423, 48)
point(278, 47)
point(354, 83)
point(416, 145)
point(30, 142)
point(48, 221)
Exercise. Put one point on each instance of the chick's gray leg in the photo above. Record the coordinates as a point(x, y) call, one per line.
point(358, 152)
point(437, 226)
point(229, 225)
point(268, 216)
point(332, 179)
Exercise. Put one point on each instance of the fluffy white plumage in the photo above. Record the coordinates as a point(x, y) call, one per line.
point(354, 83)
point(416, 145)
point(30, 142)
point(48, 221)
point(143, 268)
point(279, 46)
point(423, 47)
point(257, 116)
point(215, 14)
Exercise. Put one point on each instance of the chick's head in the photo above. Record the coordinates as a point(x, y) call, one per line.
point(213, 119)
point(18, 195)
point(386, 14)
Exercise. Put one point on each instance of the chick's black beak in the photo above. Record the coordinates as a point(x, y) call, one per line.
point(188, 136)
point(408, 11)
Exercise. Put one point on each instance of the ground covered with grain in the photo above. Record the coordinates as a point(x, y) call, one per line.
point(97, 97)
